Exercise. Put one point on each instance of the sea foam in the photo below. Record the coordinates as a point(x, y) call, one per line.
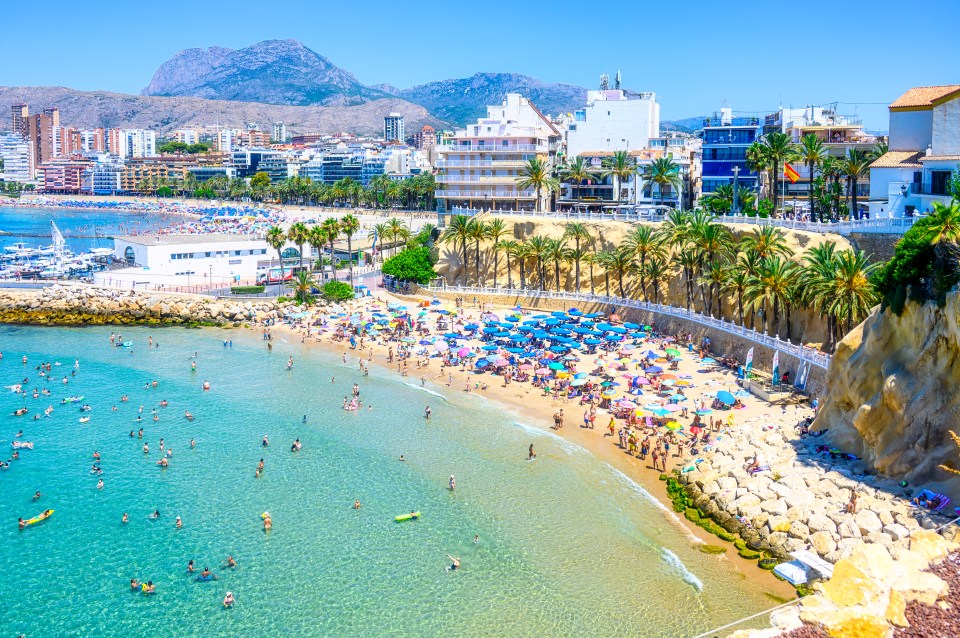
point(671, 559)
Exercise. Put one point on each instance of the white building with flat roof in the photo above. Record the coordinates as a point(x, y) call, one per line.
point(613, 120)
point(179, 260)
point(15, 153)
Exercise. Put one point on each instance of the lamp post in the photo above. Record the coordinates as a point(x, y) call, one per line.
point(735, 204)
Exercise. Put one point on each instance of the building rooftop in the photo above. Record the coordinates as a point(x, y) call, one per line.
point(940, 158)
point(899, 159)
point(926, 96)
point(180, 240)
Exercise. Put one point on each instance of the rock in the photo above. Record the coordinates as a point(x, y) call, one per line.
point(895, 610)
point(854, 623)
point(920, 586)
point(823, 543)
point(776, 507)
point(711, 488)
point(850, 586)
point(820, 523)
point(848, 529)
point(868, 522)
point(874, 561)
point(799, 530)
point(885, 517)
point(896, 531)
point(930, 545)
point(778, 524)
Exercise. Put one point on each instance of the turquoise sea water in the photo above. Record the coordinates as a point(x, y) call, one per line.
point(20, 224)
point(568, 546)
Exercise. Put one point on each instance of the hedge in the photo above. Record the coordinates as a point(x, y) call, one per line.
point(247, 290)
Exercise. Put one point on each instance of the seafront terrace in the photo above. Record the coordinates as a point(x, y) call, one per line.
point(804, 353)
point(891, 225)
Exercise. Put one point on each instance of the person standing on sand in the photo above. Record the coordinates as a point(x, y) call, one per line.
point(531, 454)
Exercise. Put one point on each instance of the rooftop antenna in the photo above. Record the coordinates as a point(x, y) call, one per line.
point(616, 82)
point(604, 82)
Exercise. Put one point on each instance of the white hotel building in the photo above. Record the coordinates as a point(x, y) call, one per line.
point(480, 165)
point(613, 120)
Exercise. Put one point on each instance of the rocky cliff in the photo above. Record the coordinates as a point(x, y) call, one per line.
point(892, 393)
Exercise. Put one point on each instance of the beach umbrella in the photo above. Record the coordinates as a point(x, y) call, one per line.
point(558, 348)
point(563, 375)
point(667, 375)
point(586, 322)
point(673, 425)
point(514, 350)
point(482, 363)
point(526, 366)
point(650, 355)
point(489, 348)
point(592, 342)
point(542, 371)
point(558, 313)
point(654, 369)
point(704, 412)
point(683, 382)
point(668, 382)
point(641, 381)
point(725, 397)
point(462, 352)
point(603, 326)
point(608, 394)
point(593, 315)
point(501, 335)
point(555, 366)
point(672, 407)
point(578, 382)
point(637, 335)
point(694, 430)
point(521, 339)
point(575, 311)
point(618, 329)
point(581, 330)
point(673, 352)
point(708, 360)
point(541, 316)
point(424, 342)
point(614, 337)
point(470, 327)
point(490, 330)
point(623, 403)
point(513, 319)
point(631, 326)
point(441, 345)
point(627, 347)
point(659, 411)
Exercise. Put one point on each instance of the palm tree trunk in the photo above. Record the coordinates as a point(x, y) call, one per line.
point(540, 269)
point(606, 280)
point(509, 274)
point(854, 213)
point(643, 279)
point(740, 306)
point(496, 264)
point(620, 280)
point(523, 272)
point(591, 278)
point(477, 255)
point(776, 188)
point(578, 265)
point(466, 262)
point(349, 257)
point(556, 269)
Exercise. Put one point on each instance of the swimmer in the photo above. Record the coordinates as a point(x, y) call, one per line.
point(401, 458)
point(36, 495)
point(134, 585)
point(206, 573)
point(232, 564)
point(149, 588)
point(187, 415)
point(193, 366)
point(179, 523)
point(304, 420)
point(155, 515)
point(456, 562)
point(476, 539)
point(228, 600)
point(100, 484)
point(206, 385)
point(190, 566)
point(193, 444)
point(453, 483)
point(146, 448)
point(356, 504)
point(265, 442)
point(125, 519)
point(427, 412)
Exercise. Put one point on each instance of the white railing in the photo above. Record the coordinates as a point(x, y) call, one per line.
point(878, 225)
point(491, 148)
point(804, 353)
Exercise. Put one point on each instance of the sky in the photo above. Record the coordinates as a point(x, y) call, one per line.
point(697, 56)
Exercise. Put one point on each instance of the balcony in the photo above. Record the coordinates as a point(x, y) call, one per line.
point(490, 148)
point(443, 163)
point(935, 190)
point(481, 194)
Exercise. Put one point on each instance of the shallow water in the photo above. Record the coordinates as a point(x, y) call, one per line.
point(568, 545)
point(19, 224)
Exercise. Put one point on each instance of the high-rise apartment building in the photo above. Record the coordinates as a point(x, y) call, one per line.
point(613, 120)
point(187, 135)
point(43, 139)
point(15, 153)
point(53, 113)
point(426, 138)
point(726, 138)
point(18, 119)
point(393, 127)
point(279, 132)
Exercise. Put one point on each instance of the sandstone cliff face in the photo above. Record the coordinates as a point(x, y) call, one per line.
point(892, 393)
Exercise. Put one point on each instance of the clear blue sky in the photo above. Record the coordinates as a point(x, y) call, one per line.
point(753, 54)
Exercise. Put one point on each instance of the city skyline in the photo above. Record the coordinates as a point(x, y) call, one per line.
point(786, 61)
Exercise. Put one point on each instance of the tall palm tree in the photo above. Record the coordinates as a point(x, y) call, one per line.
point(522, 253)
point(620, 167)
point(658, 271)
point(496, 230)
point(458, 230)
point(942, 229)
point(714, 277)
point(879, 150)
point(298, 233)
point(577, 231)
point(331, 227)
point(536, 174)
point(604, 259)
point(766, 241)
point(779, 150)
point(276, 239)
point(349, 225)
point(758, 162)
point(576, 173)
point(382, 233)
point(317, 238)
point(852, 291)
point(812, 151)
point(663, 172)
point(539, 247)
point(620, 262)
point(854, 165)
point(398, 230)
point(478, 232)
point(509, 247)
point(688, 261)
point(643, 243)
point(303, 285)
point(590, 259)
point(771, 285)
point(735, 283)
point(556, 252)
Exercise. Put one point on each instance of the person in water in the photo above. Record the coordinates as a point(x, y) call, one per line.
point(232, 564)
point(356, 504)
point(190, 566)
point(427, 412)
point(228, 600)
point(265, 442)
point(155, 515)
point(36, 495)
point(125, 519)
point(456, 562)
point(149, 588)
point(531, 454)
point(179, 523)
point(206, 574)
point(453, 483)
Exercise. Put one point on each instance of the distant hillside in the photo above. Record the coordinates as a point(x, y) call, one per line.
point(88, 109)
point(685, 125)
point(272, 72)
point(464, 100)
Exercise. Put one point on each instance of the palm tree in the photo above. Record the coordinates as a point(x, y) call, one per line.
point(317, 238)
point(772, 285)
point(851, 290)
point(714, 277)
point(663, 172)
point(496, 230)
point(757, 161)
point(765, 241)
point(688, 261)
point(812, 151)
point(577, 231)
point(942, 229)
point(303, 285)
point(458, 230)
point(590, 259)
point(522, 253)
point(556, 252)
point(879, 150)
point(276, 239)
point(779, 149)
point(349, 225)
point(298, 233)
point(604, 259)
point(536, 174)
point(398, 230)
point(509, 247)
point(620, 167)
point(658, 271)
point(478, 232)
point(576, 173)
point(643, 243)
point(735, 283)
point(382, 233)
point(854, 165)
point(331, 228)
point(539, 246)
point(620, 262)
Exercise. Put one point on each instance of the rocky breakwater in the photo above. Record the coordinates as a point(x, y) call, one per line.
point(892, 393)
point(801, 501)
point(90, 305)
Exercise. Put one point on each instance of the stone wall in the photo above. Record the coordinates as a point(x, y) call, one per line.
point(878, 246)
point(79, 305)
point(722, 342)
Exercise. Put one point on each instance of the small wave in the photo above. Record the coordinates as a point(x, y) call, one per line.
point(671, 559)
point(427, 390)
point(559, 439)
point(639, 489)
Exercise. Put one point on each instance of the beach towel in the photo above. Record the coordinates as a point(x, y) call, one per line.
point(762, 468)
point(939, 501)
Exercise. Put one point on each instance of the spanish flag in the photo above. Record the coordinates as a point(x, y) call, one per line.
point(790, 173)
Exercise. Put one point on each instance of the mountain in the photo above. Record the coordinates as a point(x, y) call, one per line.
point(287, 72)
point(90, 109)
point(271, 72)
point(464, 100)
point(685, 125)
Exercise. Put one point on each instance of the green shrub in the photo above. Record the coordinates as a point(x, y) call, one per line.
point(247, 290)
point(804, 590)
point(411, 264)
point(337, 291)
point(713, 549)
